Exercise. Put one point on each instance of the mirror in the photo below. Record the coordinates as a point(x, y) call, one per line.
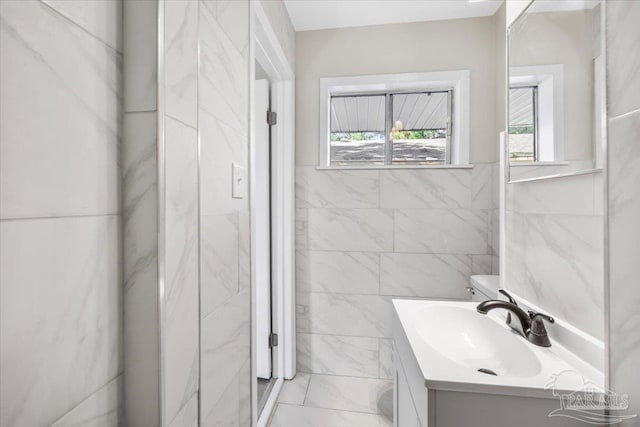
point(556, 90)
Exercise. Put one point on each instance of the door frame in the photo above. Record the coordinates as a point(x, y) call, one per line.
point(265, 48)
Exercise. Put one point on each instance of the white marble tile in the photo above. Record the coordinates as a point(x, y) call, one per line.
point(564, 268)
point(181, 60)
point(424, 275)
point(355, 315)
point(386, 369)
point(494, 240)
point(244, 392)
point(301, 229)
point(279, 19)
point(102, 18)
point(188, 415)
point(220, 147)
point(337, 355)
point(302, 312)
point(302, 416)
point(140, 171)
point(226, 410)
point(181, 266)
point(441, 231)
point(623, 62)
point(368, 395)
point(495, 265)
point(624, 252)
point(224, 76)
point(140, 55)
point(61, 322)
point(225, 335)
point(422, 188)
point(140, 263)
point(482, 186)
point(350, 229)
point(294, 391)
point(219, 272)
point(336, 188)
point(481, 264)
point(244, 250)
point(233, 17)
point(566, 195)
point(57, 105)
point(102, 408)
point(337, 272)
point(141, 357)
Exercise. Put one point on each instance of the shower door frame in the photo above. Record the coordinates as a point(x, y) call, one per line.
point(265, 49)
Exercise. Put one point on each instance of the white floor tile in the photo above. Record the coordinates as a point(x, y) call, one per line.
point(302, 416)
point(374, 396)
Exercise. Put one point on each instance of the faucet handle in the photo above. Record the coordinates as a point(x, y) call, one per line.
point(538, 333)
point(511, 299)
point(533, 315)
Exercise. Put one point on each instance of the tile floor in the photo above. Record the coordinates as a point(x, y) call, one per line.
point(314, 400)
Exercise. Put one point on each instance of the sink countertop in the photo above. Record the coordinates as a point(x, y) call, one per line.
point(442, 373)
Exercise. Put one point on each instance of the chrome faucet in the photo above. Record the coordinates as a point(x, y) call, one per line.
point(533, 328)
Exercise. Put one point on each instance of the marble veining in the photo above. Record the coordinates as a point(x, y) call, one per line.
point(350, 394)
point(38, 137)
point(225, 341)
point(425, 275)
point(181, 60)
point(422, 188)
point(350, 229)
point(441, 231)
point(337, 355)
point(356, 315)
point(181, 261)
point(623, 64)
point(61, 322)
point(102, 408)
point(330, 189)
point(338, 272)
point(219, 265)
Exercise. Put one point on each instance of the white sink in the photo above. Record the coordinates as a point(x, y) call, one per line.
point(450, 341)
point(475, 341)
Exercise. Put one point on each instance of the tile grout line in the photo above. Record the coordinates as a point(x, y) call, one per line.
point(35, 218)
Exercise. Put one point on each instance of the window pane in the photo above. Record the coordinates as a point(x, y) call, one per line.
point(521, 124)
point(357, 130)
point(420, 128)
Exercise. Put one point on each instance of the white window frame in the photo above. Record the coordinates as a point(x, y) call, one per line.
point(458, 80)
point(549, 111)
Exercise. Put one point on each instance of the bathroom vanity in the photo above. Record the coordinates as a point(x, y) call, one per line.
point(456, 367)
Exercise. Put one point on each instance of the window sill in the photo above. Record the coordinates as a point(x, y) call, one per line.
point(529, 164)
point(395, 167)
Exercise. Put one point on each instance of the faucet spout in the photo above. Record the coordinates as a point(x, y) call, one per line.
point(486, 306)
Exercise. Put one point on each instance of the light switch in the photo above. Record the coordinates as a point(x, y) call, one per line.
point(239, 178)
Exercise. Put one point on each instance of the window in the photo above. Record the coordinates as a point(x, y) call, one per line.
point(394, 120)
point(417, 124)
point(523, 123)
point(536, 130)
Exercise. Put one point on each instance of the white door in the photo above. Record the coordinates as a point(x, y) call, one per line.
point(262, 221)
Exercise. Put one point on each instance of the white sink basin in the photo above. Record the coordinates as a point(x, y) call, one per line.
point(450, 341)
point(475, 341)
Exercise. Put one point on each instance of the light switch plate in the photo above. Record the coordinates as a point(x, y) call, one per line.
point(239, 179)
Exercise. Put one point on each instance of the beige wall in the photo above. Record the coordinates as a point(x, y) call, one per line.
point(416, 47)
point(366, 236)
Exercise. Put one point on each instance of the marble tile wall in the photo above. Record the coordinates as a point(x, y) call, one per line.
point(623, 157)
point(225, 326)
point(367, 236)
point(60, 223)
point(554, 257)
point(140, 216)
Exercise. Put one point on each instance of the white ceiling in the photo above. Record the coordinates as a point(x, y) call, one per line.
point(324, 14)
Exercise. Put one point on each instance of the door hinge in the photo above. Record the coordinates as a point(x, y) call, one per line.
point(273, 340)
point(272, 118)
